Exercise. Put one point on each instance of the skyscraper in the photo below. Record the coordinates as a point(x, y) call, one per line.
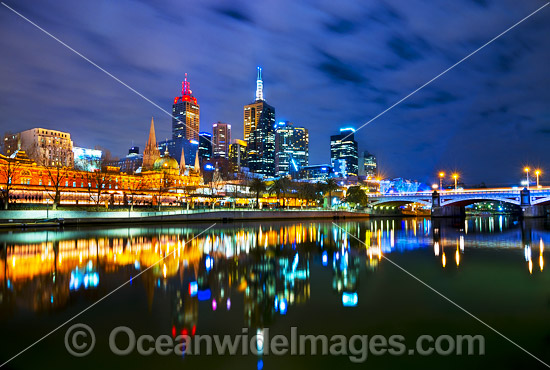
point(291, 148)
point(259, 132)
point(221, 139)
point(237, 155)
point(370, 164)
point(205, 146)
point(151, 152)
point(253, 111)
point(343, 153)
point(185, 115)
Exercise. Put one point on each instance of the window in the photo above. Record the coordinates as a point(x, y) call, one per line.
point(74, 184)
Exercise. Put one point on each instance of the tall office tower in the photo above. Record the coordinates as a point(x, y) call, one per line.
point(291, 148)
point(221, 139)
point(205, 146)
point(45, 147)
point(253, 111)
point(370, 164)
point(151, 152)
point(343, 153)
point(185, 115)
point(259, 133)
point(237, 155)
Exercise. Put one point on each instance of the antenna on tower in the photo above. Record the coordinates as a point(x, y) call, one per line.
point(259, 85)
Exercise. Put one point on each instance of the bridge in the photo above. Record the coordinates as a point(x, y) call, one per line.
point(452, 202)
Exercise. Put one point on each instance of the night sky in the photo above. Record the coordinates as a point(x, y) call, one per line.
point(325, 66)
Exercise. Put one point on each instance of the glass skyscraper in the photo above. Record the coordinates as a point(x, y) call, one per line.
point(343, 153)
point(259, 132)
point(291, 148)
point(205, 146)
point(221, 139)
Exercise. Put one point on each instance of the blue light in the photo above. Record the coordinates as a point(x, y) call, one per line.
point(51, 299)
point(347, 129)
point(193, 141)
point(325, 258)
point(324, 169)
point(193, 288)
point(260, 364)
point(283, 306)
point(137, 265)
point(208, 167)
point(276, 304)
point(349, 299)
point(204, 295)
point(295, 262)
point(209, 263)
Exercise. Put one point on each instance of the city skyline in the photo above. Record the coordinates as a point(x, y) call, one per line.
point(466, 121)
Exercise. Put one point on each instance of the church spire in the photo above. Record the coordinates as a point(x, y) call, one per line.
point(151, 152)
point(182, 162)
point(259, 85)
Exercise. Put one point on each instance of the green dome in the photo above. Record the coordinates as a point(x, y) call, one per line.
point(166, 163)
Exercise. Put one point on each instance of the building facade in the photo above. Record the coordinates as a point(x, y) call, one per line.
point(291, 148)
point(370, 165)
point(205, 146)
point(259, 133)
point(237, 155)
point(221, 139)
point(44, 146)
point(343, 153)
point(185, 115)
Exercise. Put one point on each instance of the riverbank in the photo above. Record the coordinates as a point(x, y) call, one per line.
point(43, 218)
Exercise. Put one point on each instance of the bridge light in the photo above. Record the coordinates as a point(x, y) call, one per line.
point(435, 186)
point(442, 174)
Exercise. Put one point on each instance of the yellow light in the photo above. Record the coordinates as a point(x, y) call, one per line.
point(441, 174)
point(526, 169)
point(537, 172)
point(443, 260)
point(455, 176)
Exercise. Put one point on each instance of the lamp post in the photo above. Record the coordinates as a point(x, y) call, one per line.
point(441, 175)
point(455, 176)
point(526, 169)
point(537, 172)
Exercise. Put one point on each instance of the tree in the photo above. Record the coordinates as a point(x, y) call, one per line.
point(328, 187)
point(356, 195)
point(257, 186)
point(308, 191)
point(133, 185)
point(101, 178)
point(280, 186)
point(55, 177)
point(9, 175)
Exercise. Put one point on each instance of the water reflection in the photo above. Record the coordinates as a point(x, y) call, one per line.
point(267, 267)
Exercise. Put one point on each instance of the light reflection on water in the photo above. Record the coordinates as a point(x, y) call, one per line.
point(265, 269)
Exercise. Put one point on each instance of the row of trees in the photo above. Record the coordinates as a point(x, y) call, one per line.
point(284, 187)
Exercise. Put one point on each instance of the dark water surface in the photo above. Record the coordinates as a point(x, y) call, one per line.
point(266, 277)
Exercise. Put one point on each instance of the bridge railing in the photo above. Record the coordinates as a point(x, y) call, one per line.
point(515, 191)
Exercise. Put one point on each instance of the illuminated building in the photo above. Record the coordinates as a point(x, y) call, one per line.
point(45, 147)
point(237, 155)
point(259, 133)
point(32, 183)
point(253, 111)
point(86, 159)
point(291, 148)
point(343, 153)
point(185, 115)
point(12, 142)
point(221, 139)
point(131, 162)
point(151, 152)
point(205, 146)
point(369, 164)
point(315, 173)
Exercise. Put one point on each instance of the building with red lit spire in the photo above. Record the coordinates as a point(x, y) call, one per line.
point(185, 115)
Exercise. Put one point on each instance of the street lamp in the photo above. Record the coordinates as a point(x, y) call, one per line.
point(455, 176)
point(537, 172)
point(441, 175)
point(526, 169)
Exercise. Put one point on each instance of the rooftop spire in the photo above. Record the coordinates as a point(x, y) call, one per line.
point(185, 90)
point(259, 85)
